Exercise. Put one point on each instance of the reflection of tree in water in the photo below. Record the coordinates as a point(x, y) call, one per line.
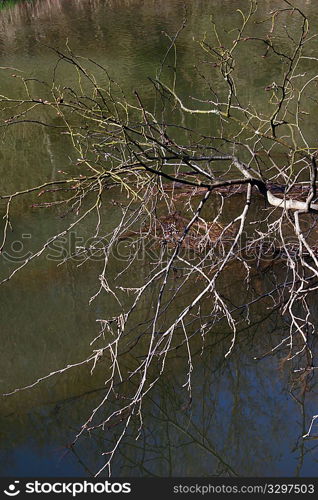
point(241, 421)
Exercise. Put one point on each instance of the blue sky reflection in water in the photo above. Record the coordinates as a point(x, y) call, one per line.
point(241, 414)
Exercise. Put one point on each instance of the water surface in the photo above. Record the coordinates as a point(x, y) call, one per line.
point(246, 416)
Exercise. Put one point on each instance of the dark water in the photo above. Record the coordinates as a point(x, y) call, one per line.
point(247, 416)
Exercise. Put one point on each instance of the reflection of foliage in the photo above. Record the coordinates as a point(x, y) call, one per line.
point(9, 3)
point(157, 155)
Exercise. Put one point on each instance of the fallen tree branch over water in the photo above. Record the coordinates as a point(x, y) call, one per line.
point(172, 181)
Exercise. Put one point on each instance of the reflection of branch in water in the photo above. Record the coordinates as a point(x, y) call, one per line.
point(200, 444)
point(71, 449)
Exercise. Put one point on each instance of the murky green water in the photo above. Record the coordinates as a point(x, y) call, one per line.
point(244, 418)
